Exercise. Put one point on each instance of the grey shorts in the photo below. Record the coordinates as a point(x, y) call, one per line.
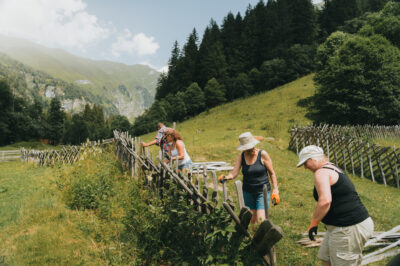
point(344, 245)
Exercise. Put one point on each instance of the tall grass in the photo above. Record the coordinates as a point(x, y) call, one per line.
point(38, 228)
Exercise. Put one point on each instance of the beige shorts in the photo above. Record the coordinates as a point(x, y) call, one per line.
point(344, 245)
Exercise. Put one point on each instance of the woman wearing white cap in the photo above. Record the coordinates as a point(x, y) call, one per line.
point(256, 169)
point(347, 222)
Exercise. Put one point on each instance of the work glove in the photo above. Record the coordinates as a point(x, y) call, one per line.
point(313, 229)
point(221, 178)
point(275, 198)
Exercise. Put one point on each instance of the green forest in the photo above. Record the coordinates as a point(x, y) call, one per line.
point(348, 45)
point(346, 42)
point(21, 120)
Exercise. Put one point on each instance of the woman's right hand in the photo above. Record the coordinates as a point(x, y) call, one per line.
point(222, 178)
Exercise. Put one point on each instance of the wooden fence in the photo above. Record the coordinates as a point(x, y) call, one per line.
point(364, 131)
point(10, 155)
point(202, 190)
point(380, 164)
point(67, 154)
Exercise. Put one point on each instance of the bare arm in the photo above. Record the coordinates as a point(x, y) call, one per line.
point(322, 184)
point(144, 144)
point(181, 150)
point(169, 155)
point(268, 163)
point(236, 168)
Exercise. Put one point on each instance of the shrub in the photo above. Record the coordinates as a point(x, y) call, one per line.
point(87, 192)
point(358, 81)
point(169, 231)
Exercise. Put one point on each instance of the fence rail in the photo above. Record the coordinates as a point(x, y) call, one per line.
point(364, 131)
point(202, 189)
point(10, 155)
point(67, 154)
point(380, 164)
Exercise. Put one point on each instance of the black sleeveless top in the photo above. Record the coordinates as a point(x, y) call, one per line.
point(254, 175)
point(346, 207)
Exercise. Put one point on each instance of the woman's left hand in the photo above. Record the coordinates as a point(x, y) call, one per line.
point(275, 196)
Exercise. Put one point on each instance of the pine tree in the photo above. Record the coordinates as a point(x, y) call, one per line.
point(187, 68)
point(212, 61)
point(5, 110)
point(214, 93)
point(303, 24)
point(232, 41)
point(242, 86)
point(178, 106)
point(336, 12)
point(194, 99)
point(56, 121)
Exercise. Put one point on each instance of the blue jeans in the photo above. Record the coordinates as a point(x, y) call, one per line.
point(255, 201)
point(185, 165)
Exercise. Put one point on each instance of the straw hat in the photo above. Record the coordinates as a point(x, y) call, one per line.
point(309, 152)
point(247, 141)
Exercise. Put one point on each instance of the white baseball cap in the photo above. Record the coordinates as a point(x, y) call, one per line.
point(309, 152)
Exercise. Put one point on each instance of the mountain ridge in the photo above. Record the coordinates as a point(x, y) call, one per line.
point(100, 77)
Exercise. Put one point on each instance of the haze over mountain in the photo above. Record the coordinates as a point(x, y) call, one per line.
point(127, 88)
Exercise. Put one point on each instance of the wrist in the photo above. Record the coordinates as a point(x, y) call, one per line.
point(314, 222)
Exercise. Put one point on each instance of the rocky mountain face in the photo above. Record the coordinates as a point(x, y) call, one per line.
point(36, 71)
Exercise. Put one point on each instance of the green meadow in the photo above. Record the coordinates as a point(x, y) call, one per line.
point(213, 136)
point(38, 226)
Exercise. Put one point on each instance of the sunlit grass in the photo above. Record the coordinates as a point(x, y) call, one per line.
point(28, 145)
point(36, 227)
point(213, 136)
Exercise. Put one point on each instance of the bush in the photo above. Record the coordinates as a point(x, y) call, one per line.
point(169, 231)
point(90, 184)
point(358, 81)
point(87, 192)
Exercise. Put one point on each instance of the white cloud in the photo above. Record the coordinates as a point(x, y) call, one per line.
point(139, 44)
point(161, 69)
point(62, 23)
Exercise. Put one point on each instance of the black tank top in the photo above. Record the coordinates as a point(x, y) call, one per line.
point(254, 175)
point(346, 207)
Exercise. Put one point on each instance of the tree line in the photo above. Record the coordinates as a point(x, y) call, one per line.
point(21, 120)
point(273, 43)
point(358, 71)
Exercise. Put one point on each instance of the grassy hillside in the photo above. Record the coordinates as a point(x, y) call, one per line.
point(213, 136)
point(68, 67)
point(130, 89)
point(36, 227)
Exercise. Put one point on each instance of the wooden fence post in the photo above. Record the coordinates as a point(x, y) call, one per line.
point(239, 191)
point(370, 164)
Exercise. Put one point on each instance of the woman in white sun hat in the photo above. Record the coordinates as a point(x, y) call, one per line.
point(347, 222)
point(257, 170)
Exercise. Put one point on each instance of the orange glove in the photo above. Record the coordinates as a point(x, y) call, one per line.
point(313, 229)
point(221, 178)
point(275, 198)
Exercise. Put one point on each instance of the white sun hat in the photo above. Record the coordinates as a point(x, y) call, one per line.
point(309, 152)
point(247, 141)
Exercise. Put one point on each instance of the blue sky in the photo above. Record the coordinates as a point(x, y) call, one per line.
point(127, 31)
